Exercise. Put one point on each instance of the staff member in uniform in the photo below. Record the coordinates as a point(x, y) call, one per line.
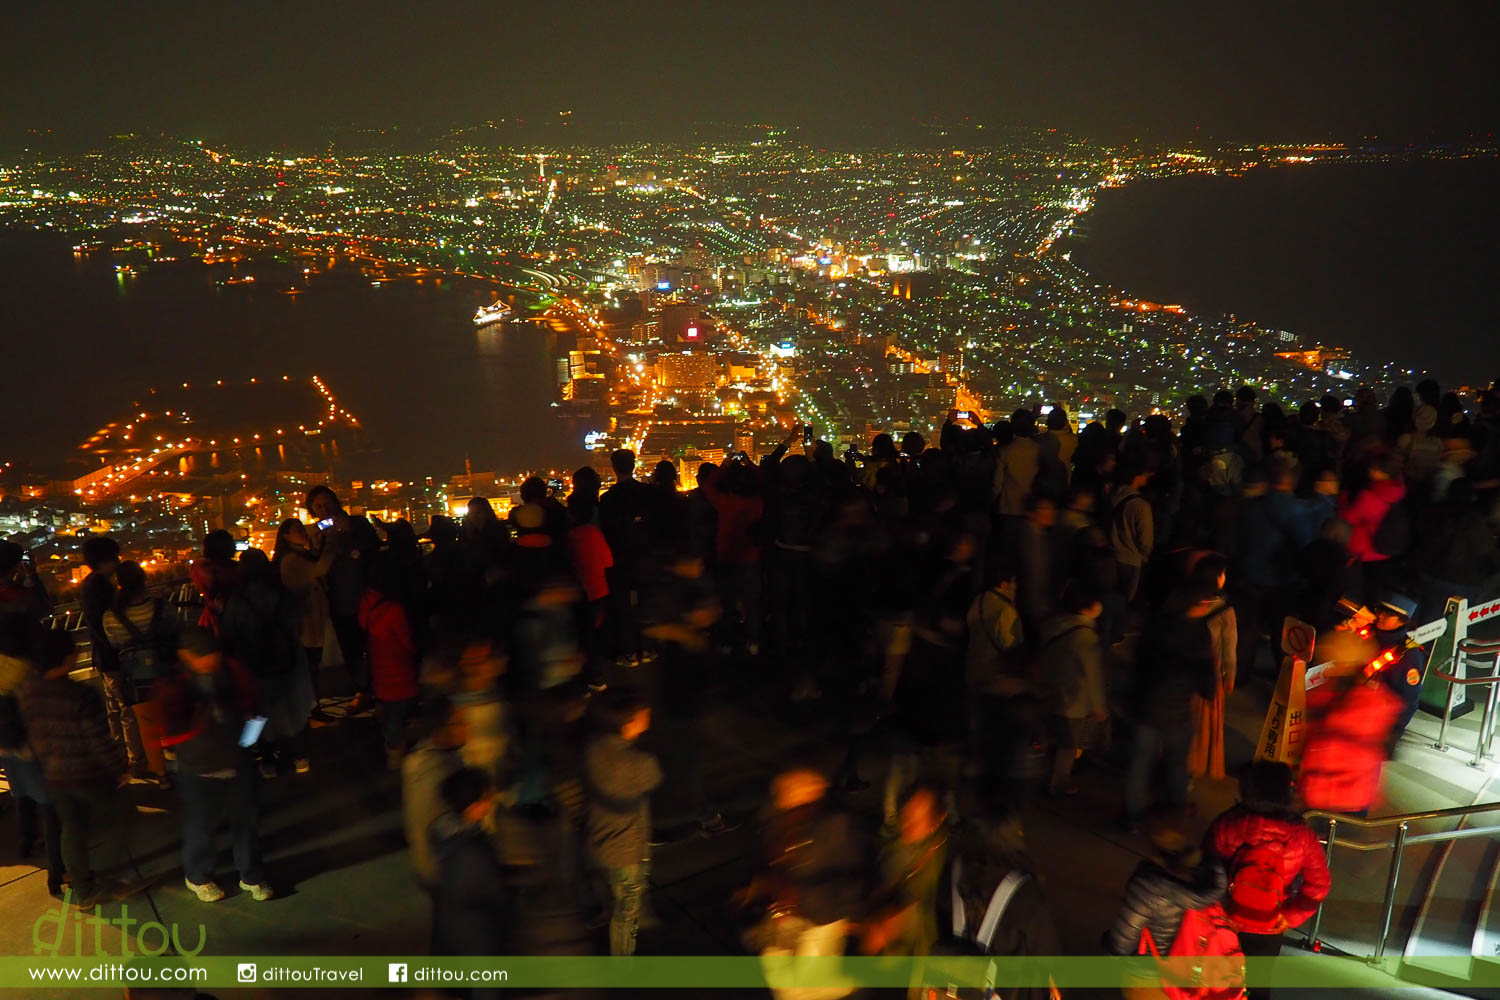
point(1404, 676)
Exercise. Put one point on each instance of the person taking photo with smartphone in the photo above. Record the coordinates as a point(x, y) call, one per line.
point(353, 540)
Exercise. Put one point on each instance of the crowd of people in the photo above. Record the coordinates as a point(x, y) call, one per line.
point(976, 616)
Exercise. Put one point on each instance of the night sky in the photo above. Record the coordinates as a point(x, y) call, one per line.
point(284, 72)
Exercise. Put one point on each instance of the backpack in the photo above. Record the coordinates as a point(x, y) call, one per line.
point(149, 654)
point(1393, 535)
point(965, 941)
point(1205, 943)
point(981, 936)
point(1225, 469)
point(1256, 888)
point(260, 630)
point(1117, 522)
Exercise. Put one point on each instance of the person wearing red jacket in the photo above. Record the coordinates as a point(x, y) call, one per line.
point(391, 650)
point(1263, 832)
point(1350, 721)
point(1365, 507)
point(592, 561)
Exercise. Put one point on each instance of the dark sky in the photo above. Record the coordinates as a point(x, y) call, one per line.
point(1247, 69)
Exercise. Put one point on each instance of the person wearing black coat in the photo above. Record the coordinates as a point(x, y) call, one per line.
point(1174, 662)
point(471, 912)
point(23, 772)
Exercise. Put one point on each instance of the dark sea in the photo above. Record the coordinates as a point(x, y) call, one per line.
point(81, 341)
point(1396, 261)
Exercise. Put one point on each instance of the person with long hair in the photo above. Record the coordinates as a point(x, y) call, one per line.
point(142, 633)
point(302, 573)
point(1206, 752)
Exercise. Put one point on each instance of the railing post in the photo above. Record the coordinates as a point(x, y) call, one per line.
point(1390, 891)
point(1489, 729)
point(1484, 723)
point(1442, 743)
point(1333, 831)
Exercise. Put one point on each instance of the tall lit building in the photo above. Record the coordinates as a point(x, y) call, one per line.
point(691, 372)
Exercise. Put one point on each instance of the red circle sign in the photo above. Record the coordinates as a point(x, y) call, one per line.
point(1299, 638)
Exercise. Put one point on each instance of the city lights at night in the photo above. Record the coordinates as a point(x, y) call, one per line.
point(950, 500)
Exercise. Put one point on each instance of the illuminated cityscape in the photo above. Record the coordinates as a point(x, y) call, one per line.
point(707, 297)
point(774, 500)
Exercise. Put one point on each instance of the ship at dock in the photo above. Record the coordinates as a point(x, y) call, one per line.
point(497, 313)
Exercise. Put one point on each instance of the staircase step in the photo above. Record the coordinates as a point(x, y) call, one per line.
point(1451, 929)
point(1486, 947)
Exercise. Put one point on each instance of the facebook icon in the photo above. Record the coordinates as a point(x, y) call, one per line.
point(397, 972)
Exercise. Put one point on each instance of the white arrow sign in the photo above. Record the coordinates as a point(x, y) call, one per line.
point(1317, 676)
point(1432, 630)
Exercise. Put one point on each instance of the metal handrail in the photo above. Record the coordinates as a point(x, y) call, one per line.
point(1376, 823)
point(1466, 651)
point(1401, 821)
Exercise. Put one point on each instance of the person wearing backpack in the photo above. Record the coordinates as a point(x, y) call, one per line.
point(96, 595)
point(1002, 713)
point(1173, 911)
point(991, 900)
point(143, 635)
point(1131, 526)
point(258, 627)
point(1278, 873)
point(1072, 672)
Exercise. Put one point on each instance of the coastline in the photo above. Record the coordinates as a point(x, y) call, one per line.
point(1124, 250)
